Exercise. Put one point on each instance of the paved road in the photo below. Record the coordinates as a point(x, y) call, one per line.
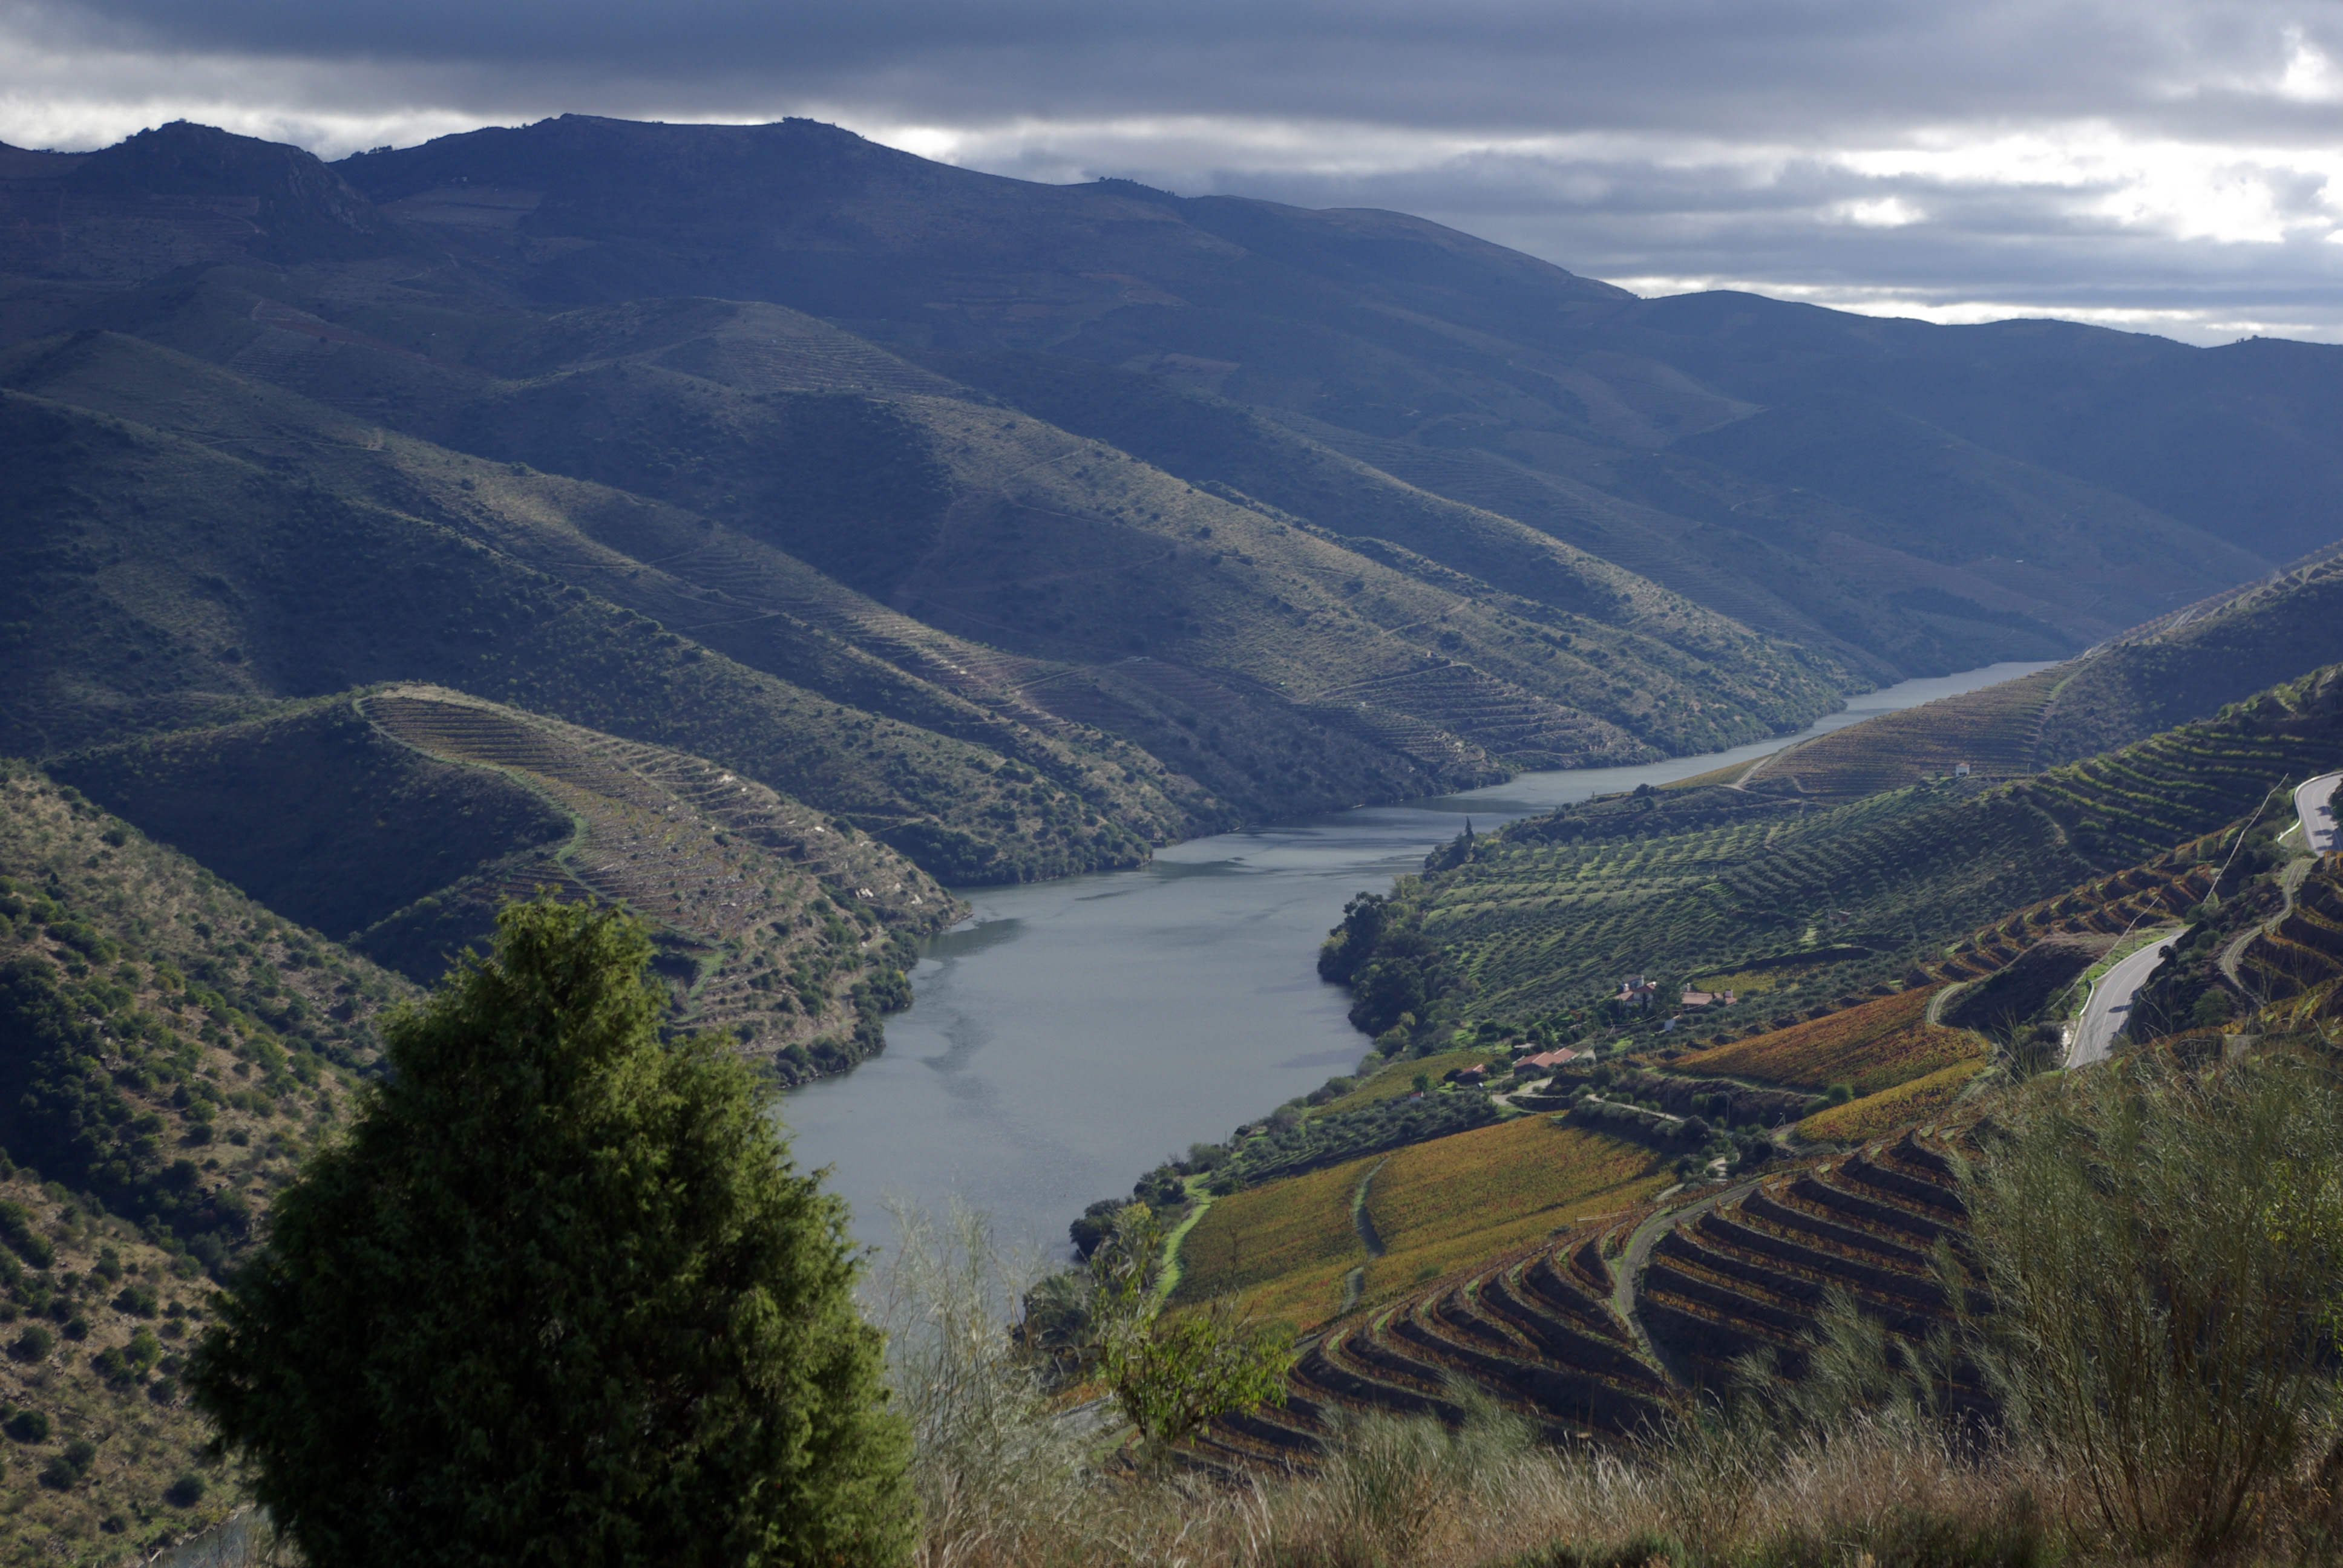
point(2108, 1007)
point(2314, 803)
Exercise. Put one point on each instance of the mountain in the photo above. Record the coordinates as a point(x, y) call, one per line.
point(1939, 479)
point(1017, 529)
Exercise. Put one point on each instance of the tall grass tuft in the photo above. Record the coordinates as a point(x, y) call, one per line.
point(2162, 1253)
point(998, 1468)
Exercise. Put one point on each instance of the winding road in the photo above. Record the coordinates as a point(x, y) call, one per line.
point(2314, 803)
point(2108, 1007)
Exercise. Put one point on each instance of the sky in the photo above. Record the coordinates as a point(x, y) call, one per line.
point(2154, 165)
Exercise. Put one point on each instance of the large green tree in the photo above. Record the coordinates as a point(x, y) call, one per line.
point(559, 1297)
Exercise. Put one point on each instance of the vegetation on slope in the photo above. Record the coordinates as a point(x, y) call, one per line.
point(1538, 923)
point(174, 1049)
point(788, 930)
point(2190, 663)
point(127, 618)
point(1874, 1046)
point(2179, 667)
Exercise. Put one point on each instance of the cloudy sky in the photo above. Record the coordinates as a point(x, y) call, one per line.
point(2162, 164)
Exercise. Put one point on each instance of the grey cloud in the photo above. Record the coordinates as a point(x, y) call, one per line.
point(1623, 138)
point(1730, 66)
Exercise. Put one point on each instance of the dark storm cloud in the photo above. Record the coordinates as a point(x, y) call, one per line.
point(1728, 67)
point(2176, 164)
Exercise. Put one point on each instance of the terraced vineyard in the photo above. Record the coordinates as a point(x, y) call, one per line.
point(1304, 1249)
point(405, 815)
point(1437, 1206)
point(1872, 1046)
point(1915, 1100)
point(1593, 1335)
point(771, 911)
point(1747, 1274)
point(1997, 731)
point(2190, 663)
point(1284, 1249)
point(1545, 916)
point(2296, 963)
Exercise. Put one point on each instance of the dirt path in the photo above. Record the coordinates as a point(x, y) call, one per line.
point(1354, 1284)
point(1628, 1267)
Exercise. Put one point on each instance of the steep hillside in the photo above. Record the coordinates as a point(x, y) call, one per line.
point(2179, 667)
point(172, 1049)
point(2191, 663)
point(1789, 905)
point(1186, 661)
point(1881, 492)
point(405, 816)
point(125, 616)
point(216, 1022)
point(1891, 482)
point(1013, 532)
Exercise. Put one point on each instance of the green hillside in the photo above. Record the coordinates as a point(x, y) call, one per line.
point(173, 1049)
point(1793, 905)
point(2180, 667)
point(406, 815)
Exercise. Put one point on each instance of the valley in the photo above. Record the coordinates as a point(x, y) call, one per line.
point(1530, 841)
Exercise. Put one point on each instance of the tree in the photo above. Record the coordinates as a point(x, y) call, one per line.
point(559, 1297)
point(1172, 1375)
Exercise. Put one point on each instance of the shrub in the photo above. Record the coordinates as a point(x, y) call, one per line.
point(2163, 1253)
point(32, 1345)
point(29, 1426)
point(185, 1492)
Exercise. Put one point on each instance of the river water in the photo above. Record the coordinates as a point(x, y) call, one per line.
point(1071, 1034)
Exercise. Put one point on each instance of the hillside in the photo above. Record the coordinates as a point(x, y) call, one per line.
point(1791, 905)
point(125, 616)
point(173, 1049)
point(1237, 512)
point(1596, 1315)
point(1272, 670)
point(1720, 444)
point(2177, 668)
point(405, 816)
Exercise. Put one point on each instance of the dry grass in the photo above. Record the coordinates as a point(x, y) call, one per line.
point(1283, 1247)
point(1872, 1047)
point(1397, 1494)
point(1876, 1115)
point(1437, 1206)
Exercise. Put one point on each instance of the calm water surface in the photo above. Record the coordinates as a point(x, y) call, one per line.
point(1070, 1035)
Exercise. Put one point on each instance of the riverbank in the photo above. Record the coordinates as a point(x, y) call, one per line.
point(1071, 1034)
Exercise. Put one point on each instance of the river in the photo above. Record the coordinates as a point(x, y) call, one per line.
point(1070, 1034)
